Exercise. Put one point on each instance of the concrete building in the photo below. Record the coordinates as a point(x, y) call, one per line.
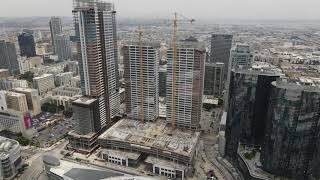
point(162, 80)
point(86, 112)
point(3, 101)
point(241, 56)
point(8, 84)
point(66, 91)
point(293, 123)
point(55, 24)
point(185, 84)
point(214, 79)
point(73, 66)
point(220, 50)
point(27, 44)
point(63, 79)
point(24, 65)
point(153, 139)
point(10, 158)
point(249, 94)
point(17, 101)
point(75, 82)
point(8, 57)
point(141, 81)
point(17, 122)
point(44, 83)
point(63, 47)
point(33, 99)
point(4, 73)
point(95, 29)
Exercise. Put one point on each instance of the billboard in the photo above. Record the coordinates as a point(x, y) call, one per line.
point(27, 119)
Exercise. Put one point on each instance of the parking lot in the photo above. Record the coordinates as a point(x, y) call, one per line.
point(52, 128)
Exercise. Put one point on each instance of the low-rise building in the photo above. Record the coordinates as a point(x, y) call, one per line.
point(33, 99)
point(152, 139)
point(17, 122)
point(63, 79)
point(17, 101)
point(4, 73)
point(44, 83)
point(10, 158)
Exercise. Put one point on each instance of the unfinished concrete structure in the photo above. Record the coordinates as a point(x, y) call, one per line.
point(86, 112)
point(141, 79)
point(95, 29)
point(152, 138)
point(185, 84)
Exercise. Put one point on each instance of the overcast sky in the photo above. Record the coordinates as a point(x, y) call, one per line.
point(201, 9)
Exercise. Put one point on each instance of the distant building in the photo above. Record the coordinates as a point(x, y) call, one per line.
point(73, 66)
point(66, 91)
point(27, 45)
point(214, 79)
point(292, 129)
point(44, 83)
point(185, 79)
point(24, 65)
point(8, 84)
point(220, 50)
point(55, 24)
point(241, 56)
point(249, 95)
point(142, 98)
point(33, 99)
point(63, 79)
point(10, 158)
point(8, 57)
point(162, 80)
point(95, 30)
point(63, 47)
point(17, 101)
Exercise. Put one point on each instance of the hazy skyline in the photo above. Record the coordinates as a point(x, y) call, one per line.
point(200, 9)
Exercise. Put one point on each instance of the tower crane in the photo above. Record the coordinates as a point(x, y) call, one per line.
point(174, 62)
point(140, 33)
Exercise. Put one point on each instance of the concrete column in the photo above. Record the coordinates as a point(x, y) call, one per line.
point(154, 170)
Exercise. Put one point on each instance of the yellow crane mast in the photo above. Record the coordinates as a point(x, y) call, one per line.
point(174, 63)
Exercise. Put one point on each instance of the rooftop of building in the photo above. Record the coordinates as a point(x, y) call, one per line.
point(215, 64)
point(86, 100)
point(24, 89)
point(144, 44)
point(261, 68)
point(7, 145)
point(82, 172)
point(64, 73)
point(153, 134)
point(4, 70)
point(14, 94)
point(85, 4)
point(42, 76)
point(300, 83)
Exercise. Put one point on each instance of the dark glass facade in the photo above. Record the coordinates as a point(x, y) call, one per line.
point(27, 45)
point(292, 130)
point(220, 50)
point(8, 57)
point(248, 100)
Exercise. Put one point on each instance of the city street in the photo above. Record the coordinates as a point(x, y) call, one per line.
point(35, 169)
